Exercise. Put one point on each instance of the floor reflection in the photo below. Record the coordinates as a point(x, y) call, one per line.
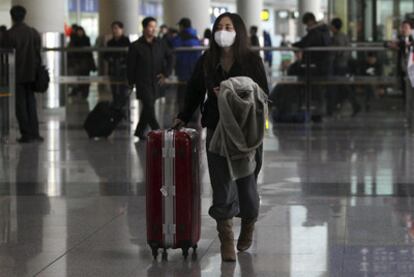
point(22, 220)
point(335, 201)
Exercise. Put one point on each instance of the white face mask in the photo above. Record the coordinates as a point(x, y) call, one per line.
point(225, 38)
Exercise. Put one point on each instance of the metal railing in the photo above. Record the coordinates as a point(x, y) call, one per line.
point(309, 82)
point(66, 78)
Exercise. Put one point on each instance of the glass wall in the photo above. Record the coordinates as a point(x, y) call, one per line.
point(85, 14)
point(376, 20)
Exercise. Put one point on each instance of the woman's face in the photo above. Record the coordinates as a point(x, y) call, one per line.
point(225, 24)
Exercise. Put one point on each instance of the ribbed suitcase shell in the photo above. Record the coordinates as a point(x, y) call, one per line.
point(173, 190)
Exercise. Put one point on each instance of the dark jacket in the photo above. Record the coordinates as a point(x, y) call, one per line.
point(254, 41)
point(2, 36)
point(202, 82)
point(317, 36)
point(373, 70)
point(27, 43)
point(185, 61)
point(145, 62)
point(81, 62)
point(404, 45)
point(268, 55)
point(117, 60)
point(340, 59)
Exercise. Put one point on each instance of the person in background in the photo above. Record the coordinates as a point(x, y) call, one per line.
point(163, 31)
point(185, 61)
point(149, 63)
point(268, 55)
point(3, 64)
point(286, 56)
point(27, 43)
point(318, 35)
point(373, 68)
point(169, 37)
point(117, 63)
point(254, 39)
point(340, 66)
point(73, 31)
point(206, 37)
point(3, 30)
point(404, 45)
point(228, 56)
point(80, 63)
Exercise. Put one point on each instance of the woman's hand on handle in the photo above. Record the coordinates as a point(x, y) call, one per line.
point(216, 91)
point(178, 124)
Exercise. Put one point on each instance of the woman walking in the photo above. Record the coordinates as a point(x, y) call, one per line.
point(228, 56)
point(80, 63)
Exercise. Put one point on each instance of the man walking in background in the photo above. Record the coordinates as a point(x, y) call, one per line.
point(27, 43)
point(318, 35)
point(186, 60)
point(149, 64)
point(117, 64)
point(341, 69)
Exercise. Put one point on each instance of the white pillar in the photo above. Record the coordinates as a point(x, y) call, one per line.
point(125, 11)
point(48, 18)
point(250, 12)
point(44, 15)
point(313, 6)
point(196, 10)
point(5, 12)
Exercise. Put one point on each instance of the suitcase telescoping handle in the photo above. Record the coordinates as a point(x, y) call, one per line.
point(168, 188)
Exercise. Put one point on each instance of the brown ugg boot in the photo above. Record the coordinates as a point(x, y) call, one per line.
point(225, 230)
point(246, 234)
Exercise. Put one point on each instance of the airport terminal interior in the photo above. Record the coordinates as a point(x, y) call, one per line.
point(336, 195)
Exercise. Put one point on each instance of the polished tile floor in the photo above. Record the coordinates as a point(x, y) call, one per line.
point(336, 200)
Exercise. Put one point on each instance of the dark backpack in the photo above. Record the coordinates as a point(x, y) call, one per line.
point(41, 83)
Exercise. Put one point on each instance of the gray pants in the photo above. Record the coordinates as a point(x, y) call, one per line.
point(230, 199)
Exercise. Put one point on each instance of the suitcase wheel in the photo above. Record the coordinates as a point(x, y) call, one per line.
point(194, 256)
point(154, 252)
point(165, 255)
point(185, 252)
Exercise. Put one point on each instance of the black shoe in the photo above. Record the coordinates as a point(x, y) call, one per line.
point(39, 139)
point(140, 135)
point(25, 140)
point(356, 111)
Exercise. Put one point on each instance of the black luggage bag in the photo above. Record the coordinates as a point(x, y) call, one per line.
point(103, 120)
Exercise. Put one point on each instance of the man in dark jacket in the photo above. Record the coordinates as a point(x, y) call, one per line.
point(117, 63)
point(370, 67)
point(81, 63)
point(3, 30)
point(254, 38)
point(404, 46)
point(340, 66)
point(149, 63)
point(185, 61)
point(318, 36)
point(27, 43)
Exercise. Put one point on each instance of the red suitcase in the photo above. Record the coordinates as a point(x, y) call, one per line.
point(173, 191)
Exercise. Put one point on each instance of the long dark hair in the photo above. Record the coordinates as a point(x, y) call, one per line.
point(240, 47)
